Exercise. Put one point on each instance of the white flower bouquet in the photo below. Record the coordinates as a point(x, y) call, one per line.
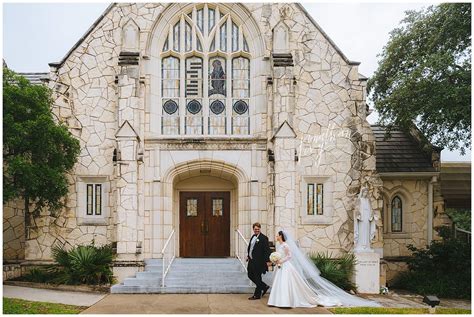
point(275, 257)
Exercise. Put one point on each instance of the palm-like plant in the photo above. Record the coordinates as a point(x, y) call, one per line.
point(83, 264)
point(337, 270)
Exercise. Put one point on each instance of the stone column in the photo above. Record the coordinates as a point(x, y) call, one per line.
point(285, 177)
point(129, 225)
point(284, 141)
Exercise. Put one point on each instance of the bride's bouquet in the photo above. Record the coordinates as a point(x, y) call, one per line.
point(274, 257)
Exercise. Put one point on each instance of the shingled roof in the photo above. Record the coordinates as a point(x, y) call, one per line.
point(399, 153)
point(35, 78)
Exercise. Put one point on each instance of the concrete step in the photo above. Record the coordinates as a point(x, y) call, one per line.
point(189, 275)
point(235, 289)
point(196, 268)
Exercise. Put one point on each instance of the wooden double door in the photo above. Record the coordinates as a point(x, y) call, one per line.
point(204, 224)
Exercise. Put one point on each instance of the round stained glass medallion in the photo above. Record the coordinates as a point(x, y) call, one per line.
point(240, 107)
point(170, 106)
point(217, 107)
point(194, 106)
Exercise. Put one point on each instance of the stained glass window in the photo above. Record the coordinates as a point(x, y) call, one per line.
point(212, 19)
point(98, 199)
point(187, 37)
point(191, 207)
point(396, 214)
point(170, 76)
point(310, 198)
point(200, 19)
point(240, 78)
point(235, 37)
point(94, 199)
point(217, 207)
point(319, 199)
point(314, 198)
point(240, 95)
point(213, 87)
point(90, 199)
point(176, 37)
point(194, 77)
point(170, 91)
point(223, 37)
point(217, 76)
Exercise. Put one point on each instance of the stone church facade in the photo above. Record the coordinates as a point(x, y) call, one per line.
point(197, 120)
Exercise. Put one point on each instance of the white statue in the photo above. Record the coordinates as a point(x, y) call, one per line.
point(364, 223)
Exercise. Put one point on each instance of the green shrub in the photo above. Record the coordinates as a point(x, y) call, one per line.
point(82, 265)
point(442, 269)
point(36, 275)
point(337, 270)
point(460, 217)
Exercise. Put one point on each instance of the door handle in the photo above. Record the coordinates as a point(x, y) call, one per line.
point(203, 228)
point(207, 227)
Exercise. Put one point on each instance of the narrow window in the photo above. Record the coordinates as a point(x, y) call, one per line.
point(90, 199)
point(191, 207)
point(310, 198)
point(397, 214)
point(98, 199)
point(314, 198)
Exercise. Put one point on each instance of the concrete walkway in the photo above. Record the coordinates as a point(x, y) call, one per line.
point(52, 296)
point(195, 303)
point(190, 304)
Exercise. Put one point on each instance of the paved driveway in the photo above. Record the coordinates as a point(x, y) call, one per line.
point(190, 304)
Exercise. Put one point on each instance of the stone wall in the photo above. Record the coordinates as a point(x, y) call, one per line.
point(13, 231)
point(414, 195)
point(322, 99)
point(325, 106)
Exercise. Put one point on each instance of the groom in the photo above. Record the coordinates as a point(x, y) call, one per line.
point(258, 258)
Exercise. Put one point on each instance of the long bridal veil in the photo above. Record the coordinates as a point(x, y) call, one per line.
point(321, 286)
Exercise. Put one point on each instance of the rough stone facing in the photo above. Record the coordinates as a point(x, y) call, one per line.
point(105, 91)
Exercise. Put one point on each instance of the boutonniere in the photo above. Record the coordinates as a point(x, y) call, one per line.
point(257, 240)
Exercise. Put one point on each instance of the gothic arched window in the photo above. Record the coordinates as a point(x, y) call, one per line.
point(205, 83)
point(397, 213)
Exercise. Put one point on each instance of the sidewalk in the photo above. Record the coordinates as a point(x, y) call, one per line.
point(191, 304)
point(196, 303)
point(52, 296)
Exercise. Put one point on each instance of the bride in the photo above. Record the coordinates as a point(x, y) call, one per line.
point(297, 282)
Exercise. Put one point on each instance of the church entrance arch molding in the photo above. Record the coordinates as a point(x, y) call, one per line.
point(201, 176)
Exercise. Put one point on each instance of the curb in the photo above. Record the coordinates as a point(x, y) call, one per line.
point(69, 288)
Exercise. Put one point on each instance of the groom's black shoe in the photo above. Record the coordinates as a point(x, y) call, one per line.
point(254, 297)
point(265, 290)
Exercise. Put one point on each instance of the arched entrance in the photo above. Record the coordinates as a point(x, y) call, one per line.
point(206, 201)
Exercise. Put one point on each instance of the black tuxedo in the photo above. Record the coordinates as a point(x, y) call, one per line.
point(258, 262)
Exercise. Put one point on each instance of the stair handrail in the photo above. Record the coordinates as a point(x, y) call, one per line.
point(239, 239)
point(165, 268)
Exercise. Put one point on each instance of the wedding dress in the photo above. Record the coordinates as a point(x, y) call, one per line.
point(289, 289)
point(298, 283)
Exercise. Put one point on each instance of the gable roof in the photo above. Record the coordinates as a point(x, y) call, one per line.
point(400, 153)
point(344, 57)
point(92, 27)
point(107, 10)
point(36, 78)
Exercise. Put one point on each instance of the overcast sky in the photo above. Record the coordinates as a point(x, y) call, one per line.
point(37, 34)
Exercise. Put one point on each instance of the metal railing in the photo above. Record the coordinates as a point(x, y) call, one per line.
point(462, 234)
point(172, 255)
point(241, 245)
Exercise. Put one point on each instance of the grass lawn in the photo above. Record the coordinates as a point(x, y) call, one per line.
point(20, 306)
point(384, 310)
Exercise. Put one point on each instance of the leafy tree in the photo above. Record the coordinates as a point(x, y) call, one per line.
point(424, 75)
point(37, 151)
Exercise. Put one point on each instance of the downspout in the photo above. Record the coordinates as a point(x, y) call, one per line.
point(430, 209)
